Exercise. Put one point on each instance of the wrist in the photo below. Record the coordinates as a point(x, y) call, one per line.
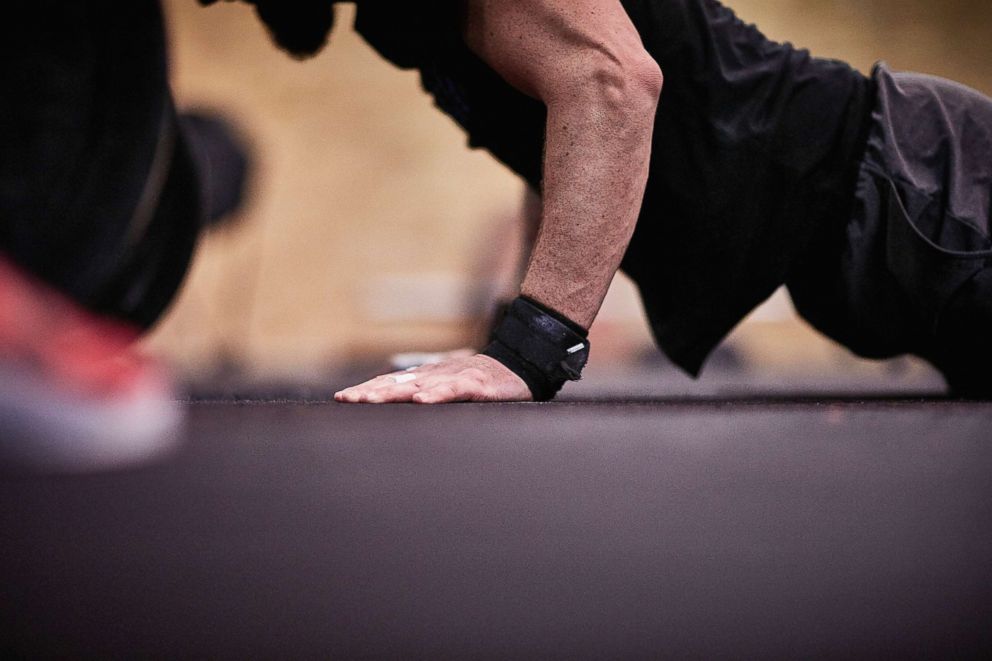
point(540, 346)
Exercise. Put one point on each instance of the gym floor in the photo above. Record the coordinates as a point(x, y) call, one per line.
point(748, 524)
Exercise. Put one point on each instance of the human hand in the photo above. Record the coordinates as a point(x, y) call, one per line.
point(475, 378)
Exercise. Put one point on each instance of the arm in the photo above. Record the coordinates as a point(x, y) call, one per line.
point(585, 61)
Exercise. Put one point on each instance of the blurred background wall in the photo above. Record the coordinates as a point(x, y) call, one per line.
point(372, 229)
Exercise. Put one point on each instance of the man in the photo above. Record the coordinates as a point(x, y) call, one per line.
point(760, 166)
point(752, 166)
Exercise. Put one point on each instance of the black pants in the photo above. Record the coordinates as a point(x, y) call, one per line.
point(911, 272)
point(100, 191)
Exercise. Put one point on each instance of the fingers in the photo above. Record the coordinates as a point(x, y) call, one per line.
point(448, 386)
point(462, 390)
point(380, 389)
point(394, 387)
point(476, 378)
point(470, 385)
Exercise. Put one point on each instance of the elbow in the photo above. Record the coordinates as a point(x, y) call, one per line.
point(644, 79)
point(652, 78)
point(622, 86)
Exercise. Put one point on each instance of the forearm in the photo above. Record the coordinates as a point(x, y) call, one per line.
point(597, 153)
point(585, 61)
point(531, 214)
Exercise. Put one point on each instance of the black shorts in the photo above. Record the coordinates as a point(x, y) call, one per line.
point(912, 270)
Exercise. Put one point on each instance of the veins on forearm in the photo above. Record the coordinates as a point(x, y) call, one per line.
point(596, 164)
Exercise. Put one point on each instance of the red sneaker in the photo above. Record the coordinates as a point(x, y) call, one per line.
point(74, 394)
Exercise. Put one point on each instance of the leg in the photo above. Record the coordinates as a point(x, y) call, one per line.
point(911, 273)
point(963, 347)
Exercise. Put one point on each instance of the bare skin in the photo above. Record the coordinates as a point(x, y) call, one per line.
point(585, 61)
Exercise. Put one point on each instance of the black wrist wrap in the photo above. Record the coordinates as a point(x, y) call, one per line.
point(539, 347)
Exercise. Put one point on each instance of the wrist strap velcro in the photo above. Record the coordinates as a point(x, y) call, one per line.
point(539, 347)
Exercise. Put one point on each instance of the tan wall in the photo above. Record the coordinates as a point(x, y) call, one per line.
point(370, 223)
